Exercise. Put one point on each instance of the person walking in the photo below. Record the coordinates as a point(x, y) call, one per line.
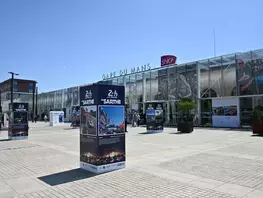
point(125, 122)
point(138, 119)
point(45, 118)
point(35, 119)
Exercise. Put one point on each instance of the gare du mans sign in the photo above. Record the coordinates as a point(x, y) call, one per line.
point(125, 71)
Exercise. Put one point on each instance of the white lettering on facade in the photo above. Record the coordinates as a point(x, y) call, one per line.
point(125, 71)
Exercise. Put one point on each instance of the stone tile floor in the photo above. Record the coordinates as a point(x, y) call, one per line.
point(206, 163)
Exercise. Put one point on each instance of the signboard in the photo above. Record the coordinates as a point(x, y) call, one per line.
point(168, 60)
point(123, 72)
point(225, 112)
point(102, 129)
point(154, 117)
point(18, 121)
point(56, 118)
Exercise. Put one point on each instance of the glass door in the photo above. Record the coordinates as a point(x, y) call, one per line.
point(206, 112)
point(172, 113)
point(246, 110)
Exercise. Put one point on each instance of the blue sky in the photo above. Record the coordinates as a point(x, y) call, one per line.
point(63, 43)
point(116, 115)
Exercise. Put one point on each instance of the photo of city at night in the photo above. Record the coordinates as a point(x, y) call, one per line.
point(106, 158)
point(111, 120)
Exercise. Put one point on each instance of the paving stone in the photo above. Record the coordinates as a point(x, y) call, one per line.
point(201, 164)
point(254, 194)
point(227, 169)
point(24, 185)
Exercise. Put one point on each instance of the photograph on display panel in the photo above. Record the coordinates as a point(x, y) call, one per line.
point(88, 120)
point(111, 149)
point(88, 149)
point(111, 120)
point(225, 110)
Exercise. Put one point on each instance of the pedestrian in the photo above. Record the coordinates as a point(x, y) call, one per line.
point(45, 118)
point(35, 119)
point(138, 119)
point(126, 122)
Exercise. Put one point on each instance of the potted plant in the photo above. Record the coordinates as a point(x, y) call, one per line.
point(257, 120)
point(186, 123)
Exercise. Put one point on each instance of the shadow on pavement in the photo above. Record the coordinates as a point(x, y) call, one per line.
point(256, 135)
point(179, 133)
point(147, 133)
point(66, 177)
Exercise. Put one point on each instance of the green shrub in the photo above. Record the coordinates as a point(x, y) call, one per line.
point(258, 114)
point(186, 106)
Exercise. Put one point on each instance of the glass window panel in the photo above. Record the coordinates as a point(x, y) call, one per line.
point(132, 89)
point(75, 96)
point(246, 82)
point(147, 77)
point(154, 85)
point(204, 78)
point(30, 87)
point(15, 86)
point(172, 91)
point(139, 87)
point(120, 80)
point(183, 87)
point(229, 75)
point(127, 89)
point(114, 81)
point(257, 64)
point(162, 84)
point(215, 77)
point(191, 79)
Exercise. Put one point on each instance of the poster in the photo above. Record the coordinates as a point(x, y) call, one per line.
point(102, 129)
point(154, 117)
point(88, 120)
point(111, 120)
point(225, 112)
point(88, 152)
point(18, 121)
point(56, 118)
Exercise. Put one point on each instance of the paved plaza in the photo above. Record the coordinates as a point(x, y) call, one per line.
point(207, 163)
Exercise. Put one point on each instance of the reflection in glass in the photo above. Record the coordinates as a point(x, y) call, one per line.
point(191, 78)
point(172, 91)
point(162, 84)
point(139, 86)
point(147, 77)
point(132, 89)
point(229, 75)
point(204, 78)
point(215, 76)
point(257, 64)
point(246, 82)
point(154, 85)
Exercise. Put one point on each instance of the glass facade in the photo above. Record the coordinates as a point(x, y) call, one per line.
point(236, 75)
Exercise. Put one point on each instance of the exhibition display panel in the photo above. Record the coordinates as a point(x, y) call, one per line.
point(56, 118)
point(18, 121)
point(154, 117)
point(225, 112)
point(102, 128)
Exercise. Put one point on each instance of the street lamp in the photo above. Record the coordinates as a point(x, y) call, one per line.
point(12, 87)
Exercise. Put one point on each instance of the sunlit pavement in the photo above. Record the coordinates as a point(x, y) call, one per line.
point(206, 163)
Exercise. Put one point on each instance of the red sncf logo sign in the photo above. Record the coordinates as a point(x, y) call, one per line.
point(168, 60)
